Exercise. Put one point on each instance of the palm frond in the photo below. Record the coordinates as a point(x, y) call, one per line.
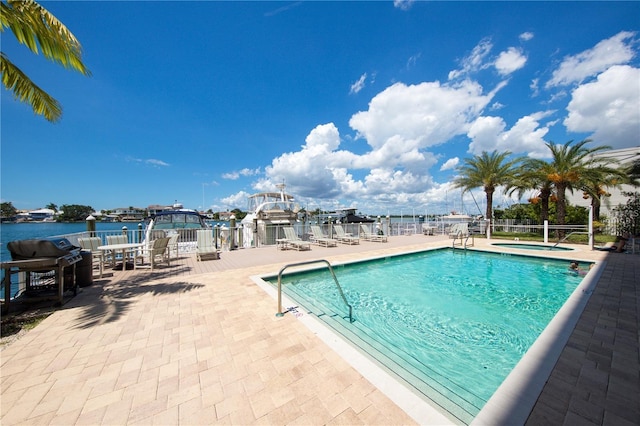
point(26, 91)
point(39, 30)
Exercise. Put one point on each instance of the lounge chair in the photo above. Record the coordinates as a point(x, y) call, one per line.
point(293, 241)
point(206, 247)
point(459, 230)
point(367, 235)
point(98, 257)
point(343, 237)
point(157, 252)
point(320, 238)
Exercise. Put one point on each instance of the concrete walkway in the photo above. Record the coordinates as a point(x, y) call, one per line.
point(191, 345)
point(597, 378)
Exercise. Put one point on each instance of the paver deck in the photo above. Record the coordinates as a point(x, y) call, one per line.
point(198, 343)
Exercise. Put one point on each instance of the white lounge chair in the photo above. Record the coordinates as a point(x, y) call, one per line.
point(320, 238)
point(367, 235)
point(206, 247)
point(98, 257)
point(343, 237)
point(156, 252)
point(293, 241)
point(459, 230)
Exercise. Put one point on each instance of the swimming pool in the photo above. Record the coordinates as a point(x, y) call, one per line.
point(524, 246)
point(451, 324)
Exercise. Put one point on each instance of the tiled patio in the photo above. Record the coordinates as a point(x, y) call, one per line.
point(198, 343)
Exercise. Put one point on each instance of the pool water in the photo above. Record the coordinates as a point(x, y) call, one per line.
point(452, 324)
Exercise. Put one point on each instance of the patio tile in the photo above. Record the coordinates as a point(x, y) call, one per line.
point(207, 348)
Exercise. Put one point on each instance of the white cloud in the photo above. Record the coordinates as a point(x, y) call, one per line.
point(244, 172)
point(403, 4)
point(526, 36)
point(450, 164)
point(526, 136)
point(309, 170)
point(236, 200)
point(358, 85)
point(411, 62)
point(534, 87)
point(474, 61)
point(150, 161)
point(509, 61)
point(155, 162)
point(609, 107)
point(419, 116)
point(576, 68)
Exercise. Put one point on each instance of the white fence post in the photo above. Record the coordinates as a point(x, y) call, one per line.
point(546, 231)
point(591, 241)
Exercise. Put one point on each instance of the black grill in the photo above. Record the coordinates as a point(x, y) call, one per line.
point(49, 265)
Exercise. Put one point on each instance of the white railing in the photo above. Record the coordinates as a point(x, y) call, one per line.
point(242, 236)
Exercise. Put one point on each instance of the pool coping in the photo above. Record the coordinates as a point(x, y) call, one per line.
point(515, 398)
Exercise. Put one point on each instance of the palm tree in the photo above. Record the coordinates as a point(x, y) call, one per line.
point(39, 30)
point(489, 171)
point(534, 175)
point(573, 167)
point(597, 181)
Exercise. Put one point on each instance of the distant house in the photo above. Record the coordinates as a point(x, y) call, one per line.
point(42, 215)
point(622, 158)
point(226, 216)
point(130, 214)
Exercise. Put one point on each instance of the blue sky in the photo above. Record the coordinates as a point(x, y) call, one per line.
point(353, 104)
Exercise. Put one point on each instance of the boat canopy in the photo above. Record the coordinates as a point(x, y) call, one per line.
point(275, 200)
point(178, 219)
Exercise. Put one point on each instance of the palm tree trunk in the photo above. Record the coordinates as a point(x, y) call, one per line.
point(545, 194)
point(489, 211)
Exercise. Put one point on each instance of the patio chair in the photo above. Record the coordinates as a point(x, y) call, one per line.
point(98, 257)
point(206, 247)
point(367, 235)
point(119, 239)
point(293, 241)
point(343, 237)
point(428, 229)
point(173, 244)
point(157, 252)
point(320, 238)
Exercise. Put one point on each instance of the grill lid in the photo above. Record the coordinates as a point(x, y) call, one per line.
point(50, 247)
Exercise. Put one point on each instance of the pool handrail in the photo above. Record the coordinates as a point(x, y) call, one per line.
point(335, 279)
point(567, 236)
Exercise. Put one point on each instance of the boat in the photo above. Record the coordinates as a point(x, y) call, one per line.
point(344, 215)
point(443, 223)
point(267, 211)
point(177, 220)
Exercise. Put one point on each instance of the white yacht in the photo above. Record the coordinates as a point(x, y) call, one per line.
point(267, 212)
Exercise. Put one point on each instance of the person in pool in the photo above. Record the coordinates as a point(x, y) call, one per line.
point(574, 267)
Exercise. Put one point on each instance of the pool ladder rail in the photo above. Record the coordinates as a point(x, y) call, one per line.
point(464, 240)
point(333, 274)
point(567, 236)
